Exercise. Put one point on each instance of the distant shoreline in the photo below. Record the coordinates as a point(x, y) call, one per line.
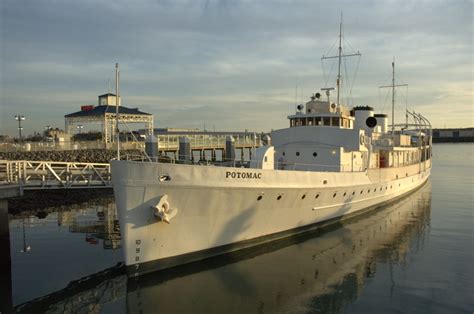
point(453, 140)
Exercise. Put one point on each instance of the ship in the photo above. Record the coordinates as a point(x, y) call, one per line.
point(331, 163)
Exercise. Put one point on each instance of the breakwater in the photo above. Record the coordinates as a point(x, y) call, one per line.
point(85, 155)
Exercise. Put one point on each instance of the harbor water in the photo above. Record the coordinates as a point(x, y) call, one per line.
point(413, 256)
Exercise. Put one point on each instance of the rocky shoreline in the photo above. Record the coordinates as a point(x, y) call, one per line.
point(86, 155)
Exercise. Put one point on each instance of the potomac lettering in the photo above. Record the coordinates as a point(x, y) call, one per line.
point(243, 175)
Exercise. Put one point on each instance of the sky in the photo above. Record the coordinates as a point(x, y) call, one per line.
point(232, 65)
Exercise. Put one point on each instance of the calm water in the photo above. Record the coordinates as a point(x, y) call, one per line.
point(414, 256)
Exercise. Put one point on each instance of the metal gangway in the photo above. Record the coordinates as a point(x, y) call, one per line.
point(32, 175)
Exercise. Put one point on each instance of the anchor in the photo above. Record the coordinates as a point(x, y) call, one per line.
point(163, 211)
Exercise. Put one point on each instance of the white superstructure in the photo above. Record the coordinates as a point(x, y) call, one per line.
point(330, 163)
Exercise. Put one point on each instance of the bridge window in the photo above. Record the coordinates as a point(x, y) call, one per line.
point(318, 120)
point(327, 121)
point(335, 122)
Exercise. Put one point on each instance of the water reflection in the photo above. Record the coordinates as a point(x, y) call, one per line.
point(53, 246)
point(320, 272)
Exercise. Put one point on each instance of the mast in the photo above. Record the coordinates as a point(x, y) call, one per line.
point(338, 82)
point(392, 86)
point(117, 109)
point(393, 98)
point(339, 56)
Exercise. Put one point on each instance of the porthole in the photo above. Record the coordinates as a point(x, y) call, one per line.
point(406, 174)
point(345, 193)
point(283, 153)
point(325, 181)
point(317, 196)
point(297, 153)
point(334, 195)
point(375, 190)
point(390, 186)
point(303, 196)
point(278, 197)
point(380, 188)
point(315, 154)
point(386, 187)
point(368, 191)
point(353, 193)
point(361, 191)
point(259, 197)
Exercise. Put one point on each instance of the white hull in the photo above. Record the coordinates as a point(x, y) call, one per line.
point(218, 213)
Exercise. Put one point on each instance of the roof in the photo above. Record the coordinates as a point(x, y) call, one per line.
point(102, 110)
point(108, 94)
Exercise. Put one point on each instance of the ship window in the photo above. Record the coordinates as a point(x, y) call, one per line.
point(318, 120)
point(380, 188)
point(310, 121)
point(317, 195)
point(303, 121)
point(375, 190)
point(283, 153)
point(315, 154)
point(334, 195)
point(303, 196)
point(344, 194)
point(361, 191)
point(297, 153)
point(368, 191)
point(266, 158)
point(279, 197)
point(325, 181)
point(259, 197)
point(326, 120)
point(335, 122)
point(353, 193)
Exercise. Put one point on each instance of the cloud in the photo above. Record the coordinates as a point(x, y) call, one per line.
point(240, 60)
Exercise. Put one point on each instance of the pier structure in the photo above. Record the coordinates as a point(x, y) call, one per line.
point(206, 145)
point(33, 175)
point(106, 114)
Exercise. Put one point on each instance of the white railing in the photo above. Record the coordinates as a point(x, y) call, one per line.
point(54, 175)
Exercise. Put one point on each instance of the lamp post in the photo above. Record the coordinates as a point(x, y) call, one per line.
point(19, 118)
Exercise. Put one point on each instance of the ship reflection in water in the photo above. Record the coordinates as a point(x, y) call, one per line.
point(320, 272)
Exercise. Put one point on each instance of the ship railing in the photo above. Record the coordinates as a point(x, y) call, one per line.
point(246, 163)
